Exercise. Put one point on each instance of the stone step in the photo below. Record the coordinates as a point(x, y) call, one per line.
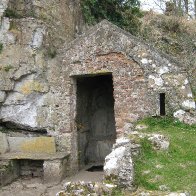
point(34, 156)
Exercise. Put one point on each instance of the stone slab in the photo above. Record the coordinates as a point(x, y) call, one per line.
point(32, 144)
point(34, 156)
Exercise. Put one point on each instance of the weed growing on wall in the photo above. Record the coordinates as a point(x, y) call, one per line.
point(8, 67)
point(11, 13)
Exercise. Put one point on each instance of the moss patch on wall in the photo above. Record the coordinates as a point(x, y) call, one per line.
point(31, 86)
point(39, 145)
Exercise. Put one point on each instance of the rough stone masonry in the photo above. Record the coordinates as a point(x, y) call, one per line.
point(140, 74)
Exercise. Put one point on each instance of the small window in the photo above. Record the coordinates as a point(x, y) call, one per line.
point(162, 104)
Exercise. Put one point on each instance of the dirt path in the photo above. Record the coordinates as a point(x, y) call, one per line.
point(28, 186)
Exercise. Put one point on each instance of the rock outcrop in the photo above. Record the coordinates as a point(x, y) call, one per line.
point(31, 32)
point(119, 164)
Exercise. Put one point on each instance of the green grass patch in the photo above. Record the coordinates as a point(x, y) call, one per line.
point(175, 168)
point(117, 192)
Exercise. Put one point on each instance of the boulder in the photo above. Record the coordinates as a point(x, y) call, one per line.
point(119, 164)
point(186, 117)
point(160, 142)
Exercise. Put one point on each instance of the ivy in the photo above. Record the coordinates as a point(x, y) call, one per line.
point(124, 13)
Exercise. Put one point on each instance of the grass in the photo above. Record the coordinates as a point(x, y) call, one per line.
point(175, 168)
point(117, 192)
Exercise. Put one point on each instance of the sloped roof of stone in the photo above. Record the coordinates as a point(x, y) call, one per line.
point(107, 26)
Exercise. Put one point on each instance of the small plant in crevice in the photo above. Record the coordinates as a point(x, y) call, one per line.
point(193, 88)
point(1, 47)
point(7, 68)
point(31, 14)
point(134, 138)
point(13, 25)
point(11, 13)
point(117, 192)
point(51, 52)
point(112, 179)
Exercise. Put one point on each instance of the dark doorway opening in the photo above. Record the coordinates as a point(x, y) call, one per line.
point(95, 168)
point(162, 104)
point(95, 118)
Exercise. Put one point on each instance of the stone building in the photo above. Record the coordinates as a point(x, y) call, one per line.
point(71, 113)
point(111, 79)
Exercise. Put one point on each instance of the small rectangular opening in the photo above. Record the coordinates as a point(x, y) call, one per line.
point(162, 104)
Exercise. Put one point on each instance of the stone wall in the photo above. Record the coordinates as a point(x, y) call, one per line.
point(9, 171)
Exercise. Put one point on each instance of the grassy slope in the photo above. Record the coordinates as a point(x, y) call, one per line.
point(178, 164)
point(174, 36)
